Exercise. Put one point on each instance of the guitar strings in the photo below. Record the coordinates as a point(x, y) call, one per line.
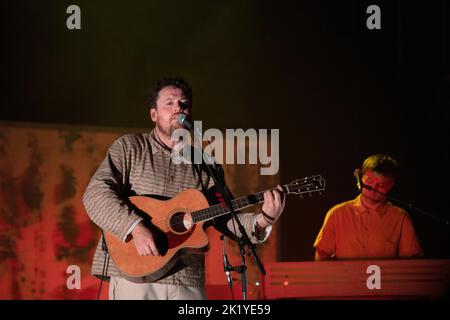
point(210, 212)
point(213, 211)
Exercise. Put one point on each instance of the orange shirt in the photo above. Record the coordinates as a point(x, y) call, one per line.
point(352, 231)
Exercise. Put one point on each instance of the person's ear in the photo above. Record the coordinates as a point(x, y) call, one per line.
point(152, 112)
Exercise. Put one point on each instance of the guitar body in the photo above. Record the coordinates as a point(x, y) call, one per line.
point(173, 233)
point(177, 226)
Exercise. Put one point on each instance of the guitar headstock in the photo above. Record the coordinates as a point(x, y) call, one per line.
point(305, 185)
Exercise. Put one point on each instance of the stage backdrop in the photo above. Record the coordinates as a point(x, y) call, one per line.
point(44, 229)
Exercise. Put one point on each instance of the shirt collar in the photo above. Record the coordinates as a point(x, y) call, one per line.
point(360, 208)
point(157, 144)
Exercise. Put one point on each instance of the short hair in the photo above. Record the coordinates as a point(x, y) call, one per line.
point(382, 164)
point(177, 82)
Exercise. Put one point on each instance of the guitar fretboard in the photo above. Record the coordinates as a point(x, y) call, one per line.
point(305, 185)
point(222, 209)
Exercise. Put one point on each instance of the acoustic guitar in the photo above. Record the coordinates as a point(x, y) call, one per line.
point(177, 226)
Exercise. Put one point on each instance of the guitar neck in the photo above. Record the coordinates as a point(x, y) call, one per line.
point(222, 209)
point(307, 185)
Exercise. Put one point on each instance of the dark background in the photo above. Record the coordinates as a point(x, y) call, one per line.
point(337, 91)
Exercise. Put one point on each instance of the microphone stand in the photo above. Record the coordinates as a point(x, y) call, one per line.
point(404, 204)
point(244, 240)
point(219, 182)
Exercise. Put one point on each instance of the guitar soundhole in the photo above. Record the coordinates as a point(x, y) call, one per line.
point(177, 223)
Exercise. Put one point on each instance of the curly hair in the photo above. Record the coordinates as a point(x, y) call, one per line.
point(381, 163)
point(177, 82)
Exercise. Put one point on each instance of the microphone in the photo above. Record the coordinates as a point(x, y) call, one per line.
point(227, 272)
point(184, 120)
point(357, 174)
point(226, 264)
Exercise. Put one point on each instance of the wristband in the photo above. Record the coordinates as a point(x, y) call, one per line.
point(268, 218)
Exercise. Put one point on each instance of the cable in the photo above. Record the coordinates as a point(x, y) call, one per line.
point(105, 265)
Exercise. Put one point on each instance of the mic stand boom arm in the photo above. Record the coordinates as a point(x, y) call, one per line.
point(413, 208)
point(405, 205)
